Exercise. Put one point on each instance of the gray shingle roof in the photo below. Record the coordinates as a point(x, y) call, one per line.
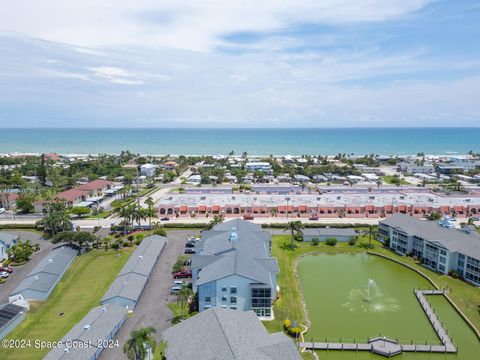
point(7, 238)
point(99, 324)
point(232, 335)
point(452, 239)
point(48, 271)
point(127, 286)
point(234, 263)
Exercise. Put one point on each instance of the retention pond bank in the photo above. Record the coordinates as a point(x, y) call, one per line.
point(354, 298)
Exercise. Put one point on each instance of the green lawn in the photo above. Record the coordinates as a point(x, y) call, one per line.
point(389, 180)
point(80, 289)
point(289, 306)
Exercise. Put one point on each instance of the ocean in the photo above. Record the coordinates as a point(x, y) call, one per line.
point(327, 141)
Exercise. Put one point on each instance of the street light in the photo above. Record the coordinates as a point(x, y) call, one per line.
point(287, 199)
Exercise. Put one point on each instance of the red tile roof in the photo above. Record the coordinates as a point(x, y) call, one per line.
point(95, 185)
point(72, 194)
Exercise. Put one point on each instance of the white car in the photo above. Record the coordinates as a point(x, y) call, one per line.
point(178, 283)
point(4, 274)
point(175, 289)
point(2, 210)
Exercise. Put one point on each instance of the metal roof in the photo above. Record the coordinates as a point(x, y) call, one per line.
point(99, 324)
point(48, 271)
point(232, 335)
point(7, 238)
point(9, 312)
point(329, 232)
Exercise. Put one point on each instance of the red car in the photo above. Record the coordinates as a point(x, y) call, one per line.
point(247, 217)
point(182, 274)
point(8, 269)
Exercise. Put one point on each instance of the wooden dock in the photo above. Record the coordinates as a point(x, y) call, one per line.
point(389, 347)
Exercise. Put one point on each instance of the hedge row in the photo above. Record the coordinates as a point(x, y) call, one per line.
point(18, 226)
point(317, 225)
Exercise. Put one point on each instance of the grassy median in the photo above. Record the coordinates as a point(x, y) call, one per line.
point(80, 289)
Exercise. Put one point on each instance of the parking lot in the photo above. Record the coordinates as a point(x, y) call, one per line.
point(152, 308)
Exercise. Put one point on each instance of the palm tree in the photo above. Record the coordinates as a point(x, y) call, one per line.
point(134, 347)
point(138, 214)
point(295, 227)
point(185, 293)
point(150, 212)
point(126, 213)
point(217, 219)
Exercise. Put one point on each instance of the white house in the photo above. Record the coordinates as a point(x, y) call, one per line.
point(148, 169)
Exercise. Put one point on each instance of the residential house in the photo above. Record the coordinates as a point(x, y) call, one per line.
point(7, 240)
point(234, 269)
point(148, 170)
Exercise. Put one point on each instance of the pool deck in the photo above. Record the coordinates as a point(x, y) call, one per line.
point(389, 347)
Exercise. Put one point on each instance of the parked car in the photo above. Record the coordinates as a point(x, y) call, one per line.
point(2, 210)
point(248, 217)
point(475, 219)
point(4, 274)
point(313, 217)
point(190, 244)
point(189, 250)
point(8, 269)
point(165, 219)
point(175, 289)
point(178, 283)
point(182, 274)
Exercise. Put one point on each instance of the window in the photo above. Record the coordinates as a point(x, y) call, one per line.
point(224, 289)
point(233, 289)
point(208, 299)
point(224, 298)
point(233, 307)
point(207, 291)
point(233, 299)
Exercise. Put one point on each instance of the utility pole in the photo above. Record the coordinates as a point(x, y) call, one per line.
point(288, 199)
point(138, 190)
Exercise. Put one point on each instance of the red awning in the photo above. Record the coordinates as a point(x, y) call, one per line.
point(202, 208)
point(216, 208)
point(402, 207)
point(458, 208)
point(369, 207)
point(444, 209)
point(302, 207)
point(388, 207)
point(183, 208)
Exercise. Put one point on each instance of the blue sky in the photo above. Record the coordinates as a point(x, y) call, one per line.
point(319, 63)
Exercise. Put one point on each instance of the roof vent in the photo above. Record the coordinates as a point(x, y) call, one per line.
point(140, 257)
point(86, 327)
point(233, 234)
point(104, 309)
point(50, 261)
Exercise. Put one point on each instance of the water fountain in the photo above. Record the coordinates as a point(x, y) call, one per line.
point(369, 298)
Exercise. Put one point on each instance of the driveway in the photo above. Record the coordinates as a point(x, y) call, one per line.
point(152, 308)
point(20, 272)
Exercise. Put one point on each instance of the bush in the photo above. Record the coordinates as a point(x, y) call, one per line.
point(331, 242)
point(161, 232)
point(294, 331)
point(352, 241)
point(126, 244)
point(287, 324)
point(139, 237)
point(315, 241)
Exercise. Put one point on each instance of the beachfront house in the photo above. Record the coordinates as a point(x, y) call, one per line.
point(264, 167)
point(440, 248)
point(233, 268)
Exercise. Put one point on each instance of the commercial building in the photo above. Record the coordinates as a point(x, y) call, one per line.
point(233, 268)
point(130, 282)
point(40, 282)
point(440, 248)
point(91, 335)
point(227, 335)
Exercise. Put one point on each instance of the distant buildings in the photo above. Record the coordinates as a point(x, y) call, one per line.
point(439, 248)
point(233, 268)
point(148, 170)
point(322, 234)
point(227, 335)
point(264, 167)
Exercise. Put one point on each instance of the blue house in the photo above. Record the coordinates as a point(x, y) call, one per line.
point(233, 268)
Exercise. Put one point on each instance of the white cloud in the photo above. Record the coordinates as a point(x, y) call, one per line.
point(195, 25)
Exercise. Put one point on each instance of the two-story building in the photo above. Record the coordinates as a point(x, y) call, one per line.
point(7, 240)
point(440, 248)
point(233, 268)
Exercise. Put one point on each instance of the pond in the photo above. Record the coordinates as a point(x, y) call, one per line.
point(352, 296)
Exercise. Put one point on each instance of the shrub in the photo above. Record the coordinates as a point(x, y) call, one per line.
point(130, 238)
point(315, 241)
point(126, 244)
point(287, 324)
point(139, 237)
point(331, 242)
point(294, 331)
point(352, 241)
point(160, 232)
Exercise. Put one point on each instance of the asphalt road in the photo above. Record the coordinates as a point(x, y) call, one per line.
point(152, 308)
point(20, 272)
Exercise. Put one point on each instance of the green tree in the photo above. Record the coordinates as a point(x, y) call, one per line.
point(79, 211)
point(151, 212)
point(217, 219)
point(295, 228)
point(56, 219)
point(25, 203)
point(185, 294)
point(134, 347)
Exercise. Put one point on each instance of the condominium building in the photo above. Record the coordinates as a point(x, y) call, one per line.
point(233, 268)
point(440, 248)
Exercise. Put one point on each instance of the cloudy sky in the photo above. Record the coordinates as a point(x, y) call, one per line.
point(269, 63)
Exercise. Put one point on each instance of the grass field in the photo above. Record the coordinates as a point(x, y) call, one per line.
point(289, 305)
point(389, 180)
point(80, 289)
